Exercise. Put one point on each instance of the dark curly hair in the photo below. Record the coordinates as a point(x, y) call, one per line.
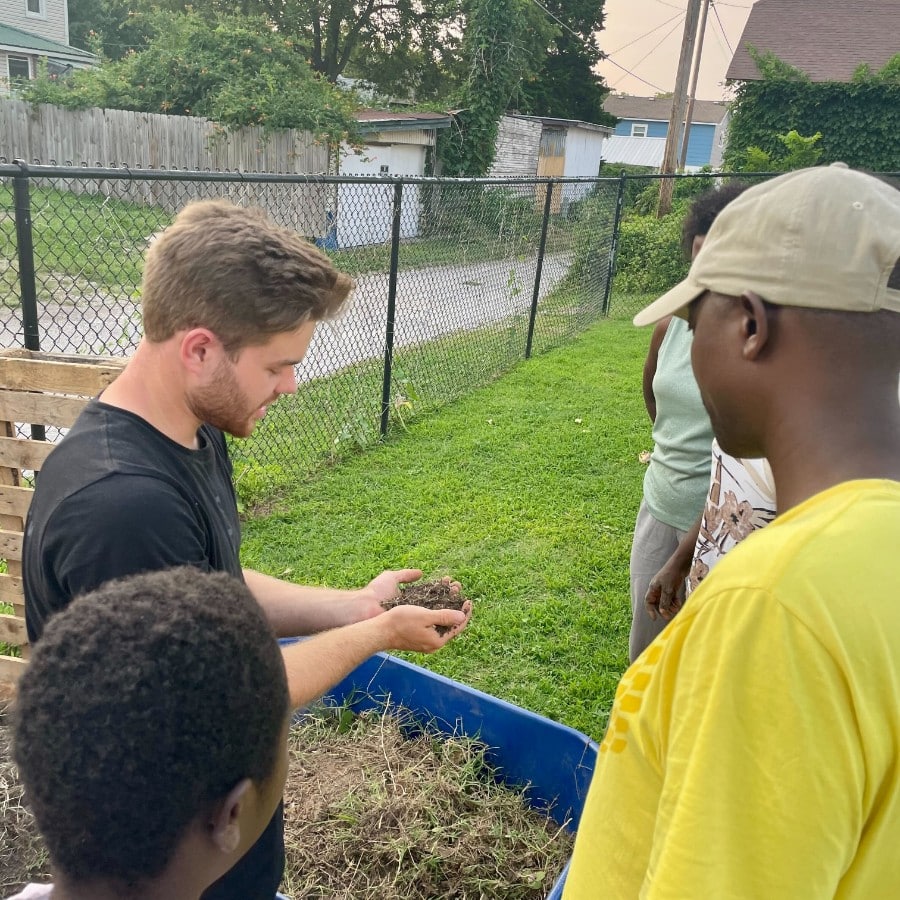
point(146, 702)
point(705, 208)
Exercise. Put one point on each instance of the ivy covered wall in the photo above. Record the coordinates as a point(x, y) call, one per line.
point(859, 121)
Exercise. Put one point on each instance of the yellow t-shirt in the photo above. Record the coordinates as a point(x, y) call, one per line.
point(754, 748)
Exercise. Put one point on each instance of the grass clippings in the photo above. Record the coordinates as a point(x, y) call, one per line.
point(374, 813)
point(369, 813)
point(22, 854)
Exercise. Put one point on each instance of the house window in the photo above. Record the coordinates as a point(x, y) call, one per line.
point(639, 129)
point(19, 68)
point(34, 8)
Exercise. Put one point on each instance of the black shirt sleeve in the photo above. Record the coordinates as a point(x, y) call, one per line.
point(119, 526)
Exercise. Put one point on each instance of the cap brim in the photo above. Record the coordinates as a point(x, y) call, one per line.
point(672, 303)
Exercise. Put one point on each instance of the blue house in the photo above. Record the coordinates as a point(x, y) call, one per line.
point(640, 134)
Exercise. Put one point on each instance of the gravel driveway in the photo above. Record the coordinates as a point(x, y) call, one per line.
point(431, 301)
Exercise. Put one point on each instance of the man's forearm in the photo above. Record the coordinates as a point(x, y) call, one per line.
point(294, 609)
point(317, 664)
point(320, 662)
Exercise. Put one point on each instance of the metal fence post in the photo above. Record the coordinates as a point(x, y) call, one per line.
point(27, 284)
point(391, 309)
point(538, 269)
point(614, 244)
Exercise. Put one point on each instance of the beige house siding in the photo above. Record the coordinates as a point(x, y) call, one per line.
point(53, 24)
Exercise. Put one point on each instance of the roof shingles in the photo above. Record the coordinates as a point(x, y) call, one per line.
point(826, 39)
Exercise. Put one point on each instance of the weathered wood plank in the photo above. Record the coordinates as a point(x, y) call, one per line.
point(14, 504)
point(13, 630)
point(62, 375)
point(12, 591)
point(18, 453)
point(11, 669)
point(11, 545)
point(40, 408)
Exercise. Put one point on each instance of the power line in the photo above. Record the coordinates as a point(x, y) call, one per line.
point(715, 34)
point(722, 27)
point(665, 37)
point(663, 25)
point(606, 56)
point(655, 87)
point(560, 22)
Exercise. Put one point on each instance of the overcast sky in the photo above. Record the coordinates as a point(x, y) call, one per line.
point(645, 37)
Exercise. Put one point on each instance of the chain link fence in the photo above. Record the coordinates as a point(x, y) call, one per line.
point(457, 280)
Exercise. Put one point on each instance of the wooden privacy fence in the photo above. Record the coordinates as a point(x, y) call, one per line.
point(43, 390)
point(118, 138)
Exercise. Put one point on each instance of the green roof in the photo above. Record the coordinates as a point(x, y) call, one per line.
point(15, 38)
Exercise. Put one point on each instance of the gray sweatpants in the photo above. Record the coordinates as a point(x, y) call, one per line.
point(654, 542)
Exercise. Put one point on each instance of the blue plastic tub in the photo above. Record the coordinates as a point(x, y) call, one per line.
point(554, 761)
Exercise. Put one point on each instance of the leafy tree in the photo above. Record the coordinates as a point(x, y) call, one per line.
point(503, 45)
point(109, 27)
point(234, 70)
point(566, 84)
point(331, 32)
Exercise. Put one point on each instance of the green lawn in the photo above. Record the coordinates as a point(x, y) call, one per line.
point(525, 491)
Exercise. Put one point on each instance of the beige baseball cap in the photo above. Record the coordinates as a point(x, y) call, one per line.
point(821, 238)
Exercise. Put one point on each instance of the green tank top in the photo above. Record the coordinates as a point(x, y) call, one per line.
point(677, 479)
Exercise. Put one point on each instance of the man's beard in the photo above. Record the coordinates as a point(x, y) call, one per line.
point(223, 404)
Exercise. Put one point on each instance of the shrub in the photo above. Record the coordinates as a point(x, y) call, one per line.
point(591, 238)
point(649, 258)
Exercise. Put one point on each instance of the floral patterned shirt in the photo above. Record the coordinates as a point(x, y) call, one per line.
point(741, 499)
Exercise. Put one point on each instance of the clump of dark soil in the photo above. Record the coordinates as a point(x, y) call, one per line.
point(431, 595)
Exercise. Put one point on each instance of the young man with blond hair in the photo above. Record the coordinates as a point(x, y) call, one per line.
point(142, 481)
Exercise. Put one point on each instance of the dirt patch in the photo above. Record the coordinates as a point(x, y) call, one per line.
point(372, 812)
point(431, 595)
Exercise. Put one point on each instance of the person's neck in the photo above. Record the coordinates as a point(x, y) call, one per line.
point(150, 387)
point(171, 885)
point(826, 444)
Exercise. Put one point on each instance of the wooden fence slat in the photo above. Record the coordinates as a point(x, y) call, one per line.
point(17, 453)
point(14, 501)
point(11, 669)
point(11, 590)
point(11, 544)
point(59, 375)
point(12, 630)
point(43, 409)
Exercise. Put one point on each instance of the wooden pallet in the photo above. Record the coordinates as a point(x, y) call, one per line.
point(48, 389)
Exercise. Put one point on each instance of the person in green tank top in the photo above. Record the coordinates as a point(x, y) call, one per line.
point(677, 478)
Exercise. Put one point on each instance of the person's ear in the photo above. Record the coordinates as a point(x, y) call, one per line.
point(225, 825)
point(755, 325)
point(198, 346)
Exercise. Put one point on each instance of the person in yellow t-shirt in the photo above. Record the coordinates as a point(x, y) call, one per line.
point(752, 750)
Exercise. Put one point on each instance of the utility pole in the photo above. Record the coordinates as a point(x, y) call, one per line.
point(679, 99)
point(692, 90)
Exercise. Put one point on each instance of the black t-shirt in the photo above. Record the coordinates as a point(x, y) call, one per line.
point(115, 498)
